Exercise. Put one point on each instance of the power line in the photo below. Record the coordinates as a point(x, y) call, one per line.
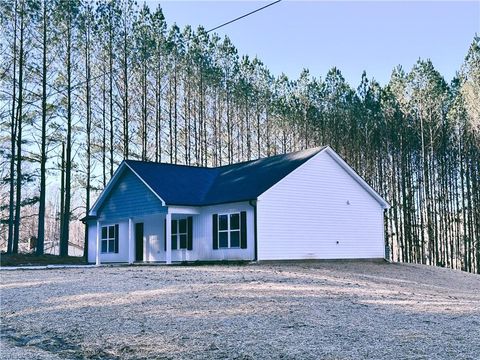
point(241, 17)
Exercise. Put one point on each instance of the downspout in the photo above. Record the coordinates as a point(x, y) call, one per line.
point(253, 203)
point(387, 255)
point(88, 220)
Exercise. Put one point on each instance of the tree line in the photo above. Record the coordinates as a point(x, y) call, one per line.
point(85, 85)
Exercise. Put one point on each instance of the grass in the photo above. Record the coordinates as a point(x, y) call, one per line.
point(36, 260)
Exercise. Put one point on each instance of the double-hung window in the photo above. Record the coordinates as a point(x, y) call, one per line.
point(179, 234)
point(229, 230)
point(182, 234)
point(110, 239)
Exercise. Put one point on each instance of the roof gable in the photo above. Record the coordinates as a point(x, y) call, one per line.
point(104, 195)
point(350, 171)
point(175, 184)
point(129, 197)
point(357, 178)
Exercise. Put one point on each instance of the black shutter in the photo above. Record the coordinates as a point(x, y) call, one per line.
point(189, 233)
point(165, 234)
point(243, 229)
point(215, 231)
point(116, 238)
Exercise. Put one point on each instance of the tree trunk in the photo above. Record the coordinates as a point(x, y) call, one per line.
point(68, 158)
point(18, 200)
point(62, 193)
point(104, 125)
point(13, 136)
point(89, 129)
point(125, 95)
point(110, 41)
point(43, 155)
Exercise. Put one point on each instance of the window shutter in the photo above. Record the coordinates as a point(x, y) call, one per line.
point(116, 238)
point(243, 229)
point(189, 233)
point(215, 231)
point(165, 234)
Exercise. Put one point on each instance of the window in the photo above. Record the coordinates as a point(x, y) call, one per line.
point(182, 233)
point(179, 234)
point(110, 239)
point(229, 230)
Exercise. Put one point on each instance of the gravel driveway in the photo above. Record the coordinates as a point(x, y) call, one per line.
point(328, 310)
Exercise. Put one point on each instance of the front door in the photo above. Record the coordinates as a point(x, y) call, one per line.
point(139, 242)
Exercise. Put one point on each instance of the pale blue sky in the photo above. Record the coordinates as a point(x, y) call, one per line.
point(354, 36)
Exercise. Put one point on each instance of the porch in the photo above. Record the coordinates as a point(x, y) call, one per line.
point(143, 239)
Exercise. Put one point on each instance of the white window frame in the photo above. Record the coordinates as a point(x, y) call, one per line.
point(108, 239)
point(229, 230)
point(178, 233)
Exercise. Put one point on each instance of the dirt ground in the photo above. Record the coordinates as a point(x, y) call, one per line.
point(328, 310)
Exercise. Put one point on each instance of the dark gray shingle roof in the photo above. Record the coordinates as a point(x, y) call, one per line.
point(199, 186)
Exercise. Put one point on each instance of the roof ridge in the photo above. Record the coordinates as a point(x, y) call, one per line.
point(170, 164)
point(318, 148)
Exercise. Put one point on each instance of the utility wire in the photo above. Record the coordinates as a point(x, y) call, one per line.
point(243, 16)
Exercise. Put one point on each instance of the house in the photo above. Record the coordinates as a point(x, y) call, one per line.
point(307, 204)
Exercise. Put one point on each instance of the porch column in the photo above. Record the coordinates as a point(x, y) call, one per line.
point(168, 240)
point(131, 242)
point(99, 236)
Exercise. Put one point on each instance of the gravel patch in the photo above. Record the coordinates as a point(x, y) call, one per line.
point(331, 310)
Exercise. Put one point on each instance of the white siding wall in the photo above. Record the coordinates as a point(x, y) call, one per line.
point(306, 214)
point(202, 238)
point(122, 255)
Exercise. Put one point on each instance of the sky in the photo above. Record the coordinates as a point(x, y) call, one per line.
point(374, 36)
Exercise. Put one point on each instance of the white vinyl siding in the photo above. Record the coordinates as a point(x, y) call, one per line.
point(121, 256)
point(319, 211)
point(202, 246)
point(203, 236)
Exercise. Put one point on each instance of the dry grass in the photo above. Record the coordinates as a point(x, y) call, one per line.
point(33, 259)
point(291, 311)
